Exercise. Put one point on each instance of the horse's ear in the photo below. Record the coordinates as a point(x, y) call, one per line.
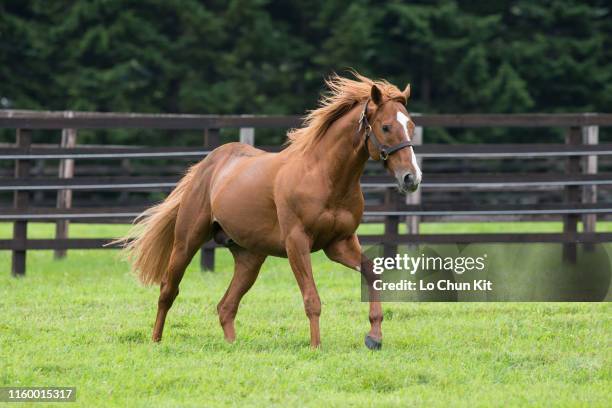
point(406, 92)
point(376, 95)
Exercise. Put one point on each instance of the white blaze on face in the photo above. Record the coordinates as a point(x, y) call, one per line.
point(403, 120)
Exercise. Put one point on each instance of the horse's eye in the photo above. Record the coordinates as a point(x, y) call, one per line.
point(386, 128)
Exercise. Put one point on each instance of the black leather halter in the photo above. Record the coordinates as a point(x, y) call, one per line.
point(384, 151)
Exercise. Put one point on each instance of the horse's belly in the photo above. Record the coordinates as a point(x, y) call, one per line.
point(252, 228)
point(242, 204)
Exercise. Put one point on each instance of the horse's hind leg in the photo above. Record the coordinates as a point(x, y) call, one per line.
point(193, 228)
point(246, 269)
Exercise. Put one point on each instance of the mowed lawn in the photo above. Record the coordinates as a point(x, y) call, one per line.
point(86, 322)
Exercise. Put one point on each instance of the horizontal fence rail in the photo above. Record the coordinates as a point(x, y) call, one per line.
point(470, 238)
point(380, 210)
point(19, 119)
point(577, 182)
point(447, 181)
point(480, 151)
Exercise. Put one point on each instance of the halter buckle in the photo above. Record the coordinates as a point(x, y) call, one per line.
point(384, 155)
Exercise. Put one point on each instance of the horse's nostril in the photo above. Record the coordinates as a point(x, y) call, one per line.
point(408, 180)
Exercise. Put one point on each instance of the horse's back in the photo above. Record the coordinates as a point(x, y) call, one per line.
point(226, 158)
point(236, 150)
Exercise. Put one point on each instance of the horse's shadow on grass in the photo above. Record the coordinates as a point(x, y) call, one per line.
point(184, 334)
point(187, 342)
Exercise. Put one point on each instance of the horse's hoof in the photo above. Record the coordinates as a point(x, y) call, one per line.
point(372, 344)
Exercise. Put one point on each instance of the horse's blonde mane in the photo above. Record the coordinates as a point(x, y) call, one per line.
point(343, 95)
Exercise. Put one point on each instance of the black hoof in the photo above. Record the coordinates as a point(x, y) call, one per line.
point(372, 344)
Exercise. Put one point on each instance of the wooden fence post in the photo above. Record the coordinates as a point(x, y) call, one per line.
point(247, 136)
point(391, 223)
point(207, 258)
point(413, 221)
point(212, 138)
point(572, 195)
point(590, 136)
point(21, 198)
point(64, 197)
point(37, 169)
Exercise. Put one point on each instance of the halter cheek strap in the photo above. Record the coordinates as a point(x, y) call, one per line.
point(384, 151)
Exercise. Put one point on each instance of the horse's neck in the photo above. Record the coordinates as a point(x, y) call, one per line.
point(342, 160)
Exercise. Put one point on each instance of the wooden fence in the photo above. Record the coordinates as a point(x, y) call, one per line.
point(578, 182)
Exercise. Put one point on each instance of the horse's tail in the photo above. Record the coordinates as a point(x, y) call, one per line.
point(149, 242)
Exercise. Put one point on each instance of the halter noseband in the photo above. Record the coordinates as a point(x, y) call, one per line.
point(384, 151)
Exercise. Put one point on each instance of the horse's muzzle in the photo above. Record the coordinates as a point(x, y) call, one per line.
point(409, 183)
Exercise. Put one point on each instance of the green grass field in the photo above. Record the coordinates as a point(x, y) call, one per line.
point(85, 322)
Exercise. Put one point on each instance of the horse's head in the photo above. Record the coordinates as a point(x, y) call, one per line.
point(389, 133)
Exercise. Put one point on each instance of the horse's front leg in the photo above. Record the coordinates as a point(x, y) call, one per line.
point(298, 246)
point(348, 253)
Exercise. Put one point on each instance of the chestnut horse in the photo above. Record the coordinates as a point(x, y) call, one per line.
point(287, 204)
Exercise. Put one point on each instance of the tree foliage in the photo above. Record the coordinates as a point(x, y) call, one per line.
point(269, 56)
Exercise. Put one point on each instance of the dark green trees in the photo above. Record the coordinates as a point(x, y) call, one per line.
point(264, 56)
